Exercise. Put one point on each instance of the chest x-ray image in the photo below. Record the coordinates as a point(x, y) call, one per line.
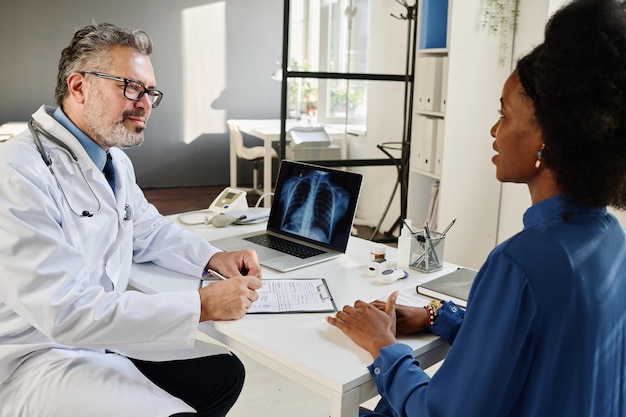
point(313, 205)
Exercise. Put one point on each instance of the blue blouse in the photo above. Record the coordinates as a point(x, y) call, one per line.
point(544, 333)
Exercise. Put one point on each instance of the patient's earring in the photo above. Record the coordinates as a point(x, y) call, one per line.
point(540, 156)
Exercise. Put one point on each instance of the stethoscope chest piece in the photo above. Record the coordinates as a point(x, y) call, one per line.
point(128, 212)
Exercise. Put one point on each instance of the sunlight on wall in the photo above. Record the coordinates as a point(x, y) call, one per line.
point(204, 69)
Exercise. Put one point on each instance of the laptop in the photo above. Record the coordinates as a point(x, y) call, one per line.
point(310, 219)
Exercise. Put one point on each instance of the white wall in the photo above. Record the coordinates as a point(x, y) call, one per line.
point(515, 198)
point(243, 40)
point(469, 191)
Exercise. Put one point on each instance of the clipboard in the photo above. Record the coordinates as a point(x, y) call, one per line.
point(299, 295)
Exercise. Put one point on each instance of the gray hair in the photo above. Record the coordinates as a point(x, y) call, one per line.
point(91, 45)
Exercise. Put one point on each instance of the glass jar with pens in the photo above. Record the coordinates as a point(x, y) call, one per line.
point(427, 249)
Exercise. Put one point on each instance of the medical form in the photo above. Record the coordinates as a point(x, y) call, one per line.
point(302, 295)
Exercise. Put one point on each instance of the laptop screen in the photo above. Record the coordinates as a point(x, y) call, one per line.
point(316, 204)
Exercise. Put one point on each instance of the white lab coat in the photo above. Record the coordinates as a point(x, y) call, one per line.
point(63, 277)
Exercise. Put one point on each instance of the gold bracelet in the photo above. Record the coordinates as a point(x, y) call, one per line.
point(435, 305)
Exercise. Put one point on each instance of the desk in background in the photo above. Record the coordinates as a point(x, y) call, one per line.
point(304, 347)
point(269, 131)
point(10, 129)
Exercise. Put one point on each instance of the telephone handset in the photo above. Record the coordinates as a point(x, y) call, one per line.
point(229, 199)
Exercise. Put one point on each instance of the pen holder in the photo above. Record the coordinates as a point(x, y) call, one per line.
point(426, 252)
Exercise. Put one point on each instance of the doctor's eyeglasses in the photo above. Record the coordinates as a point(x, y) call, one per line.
point(133, 89)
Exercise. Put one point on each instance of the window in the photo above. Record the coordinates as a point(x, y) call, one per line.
point(329, 36)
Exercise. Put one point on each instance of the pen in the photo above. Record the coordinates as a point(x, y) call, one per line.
point(430, 248)
point(447, 228)
point(427, 230)
point(213, 273)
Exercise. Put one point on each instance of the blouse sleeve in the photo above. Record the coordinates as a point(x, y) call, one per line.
point(448, 322)
point(486, 366)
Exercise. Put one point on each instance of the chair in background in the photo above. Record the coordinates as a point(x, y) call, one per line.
point(250, 153)
point(10, 129)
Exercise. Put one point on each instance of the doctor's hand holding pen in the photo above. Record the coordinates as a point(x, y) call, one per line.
point(242, 262)
point(239, 275)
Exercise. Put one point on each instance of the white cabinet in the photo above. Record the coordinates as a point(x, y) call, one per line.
point(486, 211)
point(467, 81)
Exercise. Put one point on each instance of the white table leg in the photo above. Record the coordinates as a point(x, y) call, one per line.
point(267, 172)
point(346, 405)
point(233, 166)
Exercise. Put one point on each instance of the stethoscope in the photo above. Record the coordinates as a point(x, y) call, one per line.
point(33, 126)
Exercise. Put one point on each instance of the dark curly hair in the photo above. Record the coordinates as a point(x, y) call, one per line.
point(577, 81)
point(90, 48)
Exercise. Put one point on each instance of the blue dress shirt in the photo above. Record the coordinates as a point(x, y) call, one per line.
point(544, 333)
point(95, 152)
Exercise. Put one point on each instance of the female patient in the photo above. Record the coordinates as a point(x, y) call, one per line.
point(544, 333)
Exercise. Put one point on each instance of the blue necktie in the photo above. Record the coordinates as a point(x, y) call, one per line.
point(109, 172)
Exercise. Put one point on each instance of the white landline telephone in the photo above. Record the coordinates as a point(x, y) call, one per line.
point(230, 206)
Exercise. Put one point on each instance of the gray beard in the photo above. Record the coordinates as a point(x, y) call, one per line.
point(121, 137)
point(116, 135)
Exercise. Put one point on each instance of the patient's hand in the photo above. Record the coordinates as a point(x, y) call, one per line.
point(409, 320)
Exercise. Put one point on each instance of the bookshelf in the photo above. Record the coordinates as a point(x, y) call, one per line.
point(431, 75)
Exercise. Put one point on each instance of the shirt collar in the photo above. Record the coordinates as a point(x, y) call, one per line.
point(95, 152)
point(556, 206)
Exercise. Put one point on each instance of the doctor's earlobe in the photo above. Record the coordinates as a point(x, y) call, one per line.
point(75, 87)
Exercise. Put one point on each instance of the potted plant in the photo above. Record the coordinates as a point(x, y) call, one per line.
point(500, 18)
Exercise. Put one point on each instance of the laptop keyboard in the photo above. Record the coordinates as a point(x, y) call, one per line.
point(284, 245)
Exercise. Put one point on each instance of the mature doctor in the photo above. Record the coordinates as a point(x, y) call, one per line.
point(73, 341)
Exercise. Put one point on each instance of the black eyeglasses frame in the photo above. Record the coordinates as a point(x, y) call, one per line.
point(155, 95)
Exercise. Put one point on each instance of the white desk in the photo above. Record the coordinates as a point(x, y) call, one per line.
point(269, 131)
point(10, 129)
point(304, 347)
